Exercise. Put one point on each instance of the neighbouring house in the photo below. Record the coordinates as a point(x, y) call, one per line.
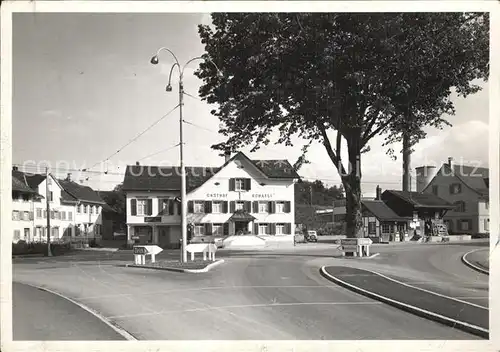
point(466, 187)
point(241, 196)
point(381, 223)
point(74, 209)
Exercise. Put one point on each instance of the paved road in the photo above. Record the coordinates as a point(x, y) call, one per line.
point(270, 296)
point(40, 315)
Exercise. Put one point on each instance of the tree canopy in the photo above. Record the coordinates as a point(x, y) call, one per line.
point(361, 75)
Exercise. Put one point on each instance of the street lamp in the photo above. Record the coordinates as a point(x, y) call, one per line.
point(155, 60)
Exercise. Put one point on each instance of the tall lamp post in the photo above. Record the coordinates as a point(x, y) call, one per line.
point(155, 60)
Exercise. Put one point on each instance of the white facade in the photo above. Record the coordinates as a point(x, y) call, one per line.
point(30, 217)
point(212, 207)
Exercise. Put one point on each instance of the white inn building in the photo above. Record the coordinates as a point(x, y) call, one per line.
point(243, 196)
point(75, 210)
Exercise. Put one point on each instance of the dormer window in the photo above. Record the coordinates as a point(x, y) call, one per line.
point(455, 188)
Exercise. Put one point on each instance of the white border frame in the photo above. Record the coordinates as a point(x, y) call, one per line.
point(8, 7)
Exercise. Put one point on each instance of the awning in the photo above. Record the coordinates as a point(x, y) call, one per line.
point(241, 216)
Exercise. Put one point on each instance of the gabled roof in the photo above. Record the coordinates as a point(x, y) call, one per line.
point(79, 192)
point(382, 211)
point(34, 180)
point(476, 178)
point(421, 200)
point(19, 183)
point(159, 178)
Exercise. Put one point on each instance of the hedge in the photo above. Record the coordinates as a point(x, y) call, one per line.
point(23, 248)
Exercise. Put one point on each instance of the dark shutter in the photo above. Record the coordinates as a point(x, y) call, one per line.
point(255, 229)
point(226, 229)
point(150, 207)
point(224, 207)
point(255, 206)
point(287, 207)
point(160, 206)
point(272, 207)
point(248, 184)
point(273, 229)
point(190, 206)
point(232, 206)
point(171, 206)
point(268, 229)
point(231, 184)
point(208, 207)
point(288, 228)
point(179, 207)
point(208, 229)
point(248, 206)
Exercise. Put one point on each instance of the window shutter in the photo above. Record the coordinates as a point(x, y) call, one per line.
point(133, 207)
point(272, 207)
point(255, 229)
point(248, 184)
point(224, 207)
point(288, 228)
point(208, 207)
point(31, 215)
point(232, 206)
point(287, 207)
point(160, 206)
point(208, 229)
point(150, 207)
point(248, 206)
point(226, 229)
point(190, 207)
point(171, 204)
point(255, 206)
point(273, 229)
point(231, 184)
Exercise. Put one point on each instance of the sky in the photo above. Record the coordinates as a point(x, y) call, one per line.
point(83, 87)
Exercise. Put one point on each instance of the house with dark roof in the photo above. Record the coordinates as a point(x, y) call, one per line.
point(241, 196)
point(381, 223)
point(74, 209)
point(466, 187)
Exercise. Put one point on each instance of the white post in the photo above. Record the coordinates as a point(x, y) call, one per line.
point(153, 258)
point(204, 255)
point(192, 256)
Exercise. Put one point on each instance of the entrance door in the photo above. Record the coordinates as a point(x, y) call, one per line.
point(240, 226)
point(163, 236)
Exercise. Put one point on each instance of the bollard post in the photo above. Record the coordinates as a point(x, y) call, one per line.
point(204, 256)
point(192, 256)
point(153, 258)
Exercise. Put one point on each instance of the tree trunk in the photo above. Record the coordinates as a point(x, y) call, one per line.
point(352, 186)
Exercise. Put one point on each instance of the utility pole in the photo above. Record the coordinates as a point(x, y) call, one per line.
point(183, 174)
point(47, 193)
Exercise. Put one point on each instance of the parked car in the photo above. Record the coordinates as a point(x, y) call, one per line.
point(311, 236)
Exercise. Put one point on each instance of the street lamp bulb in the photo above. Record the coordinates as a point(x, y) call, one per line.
point(154, 60)
point(168, 88)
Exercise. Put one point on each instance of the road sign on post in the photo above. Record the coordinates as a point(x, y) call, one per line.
point(356, 246)
point(140, 253)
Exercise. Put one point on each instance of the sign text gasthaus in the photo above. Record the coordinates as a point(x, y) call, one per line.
point(217, 195)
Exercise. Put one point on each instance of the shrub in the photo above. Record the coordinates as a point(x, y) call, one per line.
point(23, 248)
point(336, 229)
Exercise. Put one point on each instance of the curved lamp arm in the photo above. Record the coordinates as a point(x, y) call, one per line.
point(200, 58)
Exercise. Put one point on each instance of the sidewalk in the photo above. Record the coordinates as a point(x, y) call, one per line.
point(446, 310)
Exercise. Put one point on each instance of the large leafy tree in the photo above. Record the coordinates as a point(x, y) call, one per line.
point(329, 78)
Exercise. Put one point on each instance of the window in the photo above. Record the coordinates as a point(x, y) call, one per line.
point(79, 208)
point(70, 215)
point(239, 206)
point(85, 209)
point(164, 206)
point(262, 229)
point(263, 208)
point(455, 188)
point(45, 214)
point(217, 207)
point(280, 207)
point(487, 205)
point(91, 209)
point(27, 234)
point(217, 229)
point(63, 215)
point(17, 235)
point(280, 229)
point(199, 207)
point(239, 184)
point(52, 215)
point(39, 212)
point(386, 228)
point(435, 190)
point(49, 181)
point(487, 225)
point(460, 206)
point(26, 215)
point(15, 215)
point(199, 230)
point(57, 215)
point(372, 228)
point(97, 209)
point(464, 225)
point(51, 196)
point(142, 205)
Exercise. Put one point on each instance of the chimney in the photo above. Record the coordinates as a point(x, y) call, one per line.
point(14, 168)
point(378, 193)
point(450, 161)
point(137, 163)
point(227, 156)
point(68, 177)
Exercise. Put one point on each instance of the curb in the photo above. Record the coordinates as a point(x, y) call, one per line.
point(473, 266)
point(178, 270)
point(476, 330)
point(116, 328)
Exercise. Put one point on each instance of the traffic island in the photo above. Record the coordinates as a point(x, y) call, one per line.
point(477, 259)
point(450, 311)
point(196, 266)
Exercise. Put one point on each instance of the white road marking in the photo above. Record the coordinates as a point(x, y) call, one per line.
point(244, 306)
